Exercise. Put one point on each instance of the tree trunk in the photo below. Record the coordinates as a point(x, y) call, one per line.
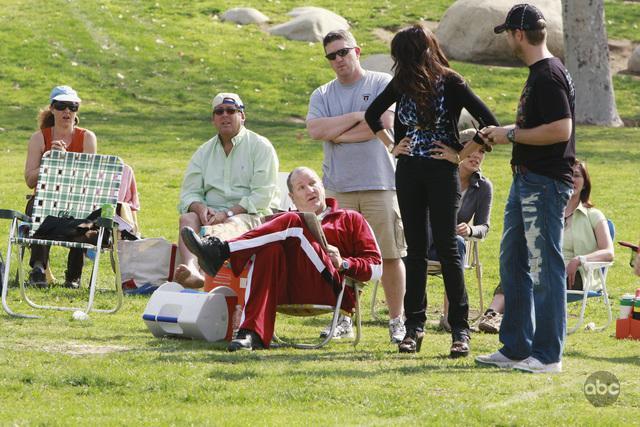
point(586, 53)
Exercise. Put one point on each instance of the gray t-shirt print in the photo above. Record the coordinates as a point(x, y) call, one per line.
point(357, 166)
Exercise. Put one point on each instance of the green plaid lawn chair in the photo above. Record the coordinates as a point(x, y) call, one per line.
point(77, 184)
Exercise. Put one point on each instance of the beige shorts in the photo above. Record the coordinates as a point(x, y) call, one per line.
point(380, 209)
point(232, 227)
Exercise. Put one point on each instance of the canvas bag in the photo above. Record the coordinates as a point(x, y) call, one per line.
point(146, 262)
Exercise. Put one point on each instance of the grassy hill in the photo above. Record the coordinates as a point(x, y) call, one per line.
point(146, 72)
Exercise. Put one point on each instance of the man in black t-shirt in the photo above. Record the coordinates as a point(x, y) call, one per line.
point(532, 270)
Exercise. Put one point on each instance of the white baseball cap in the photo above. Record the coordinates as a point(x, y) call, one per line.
point(64, 93)
point(227, 98)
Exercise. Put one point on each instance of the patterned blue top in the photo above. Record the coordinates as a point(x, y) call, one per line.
point(422, 139)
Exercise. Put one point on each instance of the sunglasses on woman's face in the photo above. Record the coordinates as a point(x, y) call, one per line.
point(62, 105)
point(340, 52)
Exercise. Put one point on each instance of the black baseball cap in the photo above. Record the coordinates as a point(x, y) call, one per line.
point(522, 17)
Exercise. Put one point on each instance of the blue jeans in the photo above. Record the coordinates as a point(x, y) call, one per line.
point(532, 270)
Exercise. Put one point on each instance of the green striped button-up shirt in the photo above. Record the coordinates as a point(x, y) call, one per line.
point(248, 176)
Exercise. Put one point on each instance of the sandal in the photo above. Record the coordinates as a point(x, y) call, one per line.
point(460, 345)
point(412, 342)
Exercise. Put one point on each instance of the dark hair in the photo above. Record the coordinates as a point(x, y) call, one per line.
point(339, 35)
point(585, 194)
point(418, 62)
point(534, 37)
point(47, 120)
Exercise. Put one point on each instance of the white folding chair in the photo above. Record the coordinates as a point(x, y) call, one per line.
point(307, 310)
point(286, 204)
point(471, 262)
point(311, 310)
point(592, 288)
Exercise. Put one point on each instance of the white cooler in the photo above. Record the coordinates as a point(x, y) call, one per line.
point(175, 311)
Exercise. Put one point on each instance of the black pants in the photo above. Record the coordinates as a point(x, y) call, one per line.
point(40, 254)
point(428, 188)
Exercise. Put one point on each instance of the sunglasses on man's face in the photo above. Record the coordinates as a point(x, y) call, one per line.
point(229, 111)
point(62, 105)
point(340, 52)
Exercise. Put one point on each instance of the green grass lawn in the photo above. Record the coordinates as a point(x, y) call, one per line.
point(146, 72)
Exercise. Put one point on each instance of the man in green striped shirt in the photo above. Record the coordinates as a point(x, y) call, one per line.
point(230, 182)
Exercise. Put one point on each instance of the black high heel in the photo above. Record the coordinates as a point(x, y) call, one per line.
point(412, 342)
point(459, 345)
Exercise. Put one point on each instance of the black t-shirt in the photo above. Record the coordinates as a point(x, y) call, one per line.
point(547, 96)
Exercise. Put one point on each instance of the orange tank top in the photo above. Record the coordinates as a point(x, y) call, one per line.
point(77, 141)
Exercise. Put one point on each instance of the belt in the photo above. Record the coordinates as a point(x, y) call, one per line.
point(519, 169)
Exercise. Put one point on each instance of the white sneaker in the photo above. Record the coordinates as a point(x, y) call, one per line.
point(533, 365)
point(496, 359)
point(344, 328)
point(397, 331)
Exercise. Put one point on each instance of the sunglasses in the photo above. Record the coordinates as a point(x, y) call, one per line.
point(478, 138)
point(62, 105)
point(634, 252)
point(229, 111)
point(340, 52)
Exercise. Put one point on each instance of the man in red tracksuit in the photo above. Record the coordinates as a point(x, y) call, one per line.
point(290, 266)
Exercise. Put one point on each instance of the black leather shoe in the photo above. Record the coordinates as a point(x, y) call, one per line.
point(211, 251)
point(245, 340)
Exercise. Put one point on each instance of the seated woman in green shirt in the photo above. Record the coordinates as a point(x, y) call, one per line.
point(586, 237)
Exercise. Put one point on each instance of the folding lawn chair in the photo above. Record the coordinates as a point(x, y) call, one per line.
point(309, 310)
point(286, 204)
point(471, 262)
point(592, 288)
point(312, 310)
point(77, 184)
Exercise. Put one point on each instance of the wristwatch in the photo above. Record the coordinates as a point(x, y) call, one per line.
point(511, 135)
point(345, 265)
point(582, 259)
point(230, 213)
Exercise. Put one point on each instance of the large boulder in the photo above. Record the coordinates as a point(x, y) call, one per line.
point(381, 62)
point(244, 16)
point(634, 61)
point(466, 30)
point(310, 24)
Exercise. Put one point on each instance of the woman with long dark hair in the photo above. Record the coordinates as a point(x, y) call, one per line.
point(429, 97)
point(58, 130)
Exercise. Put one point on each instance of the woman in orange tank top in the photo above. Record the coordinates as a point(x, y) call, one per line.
point(58, 131)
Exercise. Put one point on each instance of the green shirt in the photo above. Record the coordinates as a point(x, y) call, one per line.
point(248, 176)
point(579, 238)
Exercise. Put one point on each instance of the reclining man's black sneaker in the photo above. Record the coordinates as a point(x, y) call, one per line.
point(210, 251)
point(245, 340)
